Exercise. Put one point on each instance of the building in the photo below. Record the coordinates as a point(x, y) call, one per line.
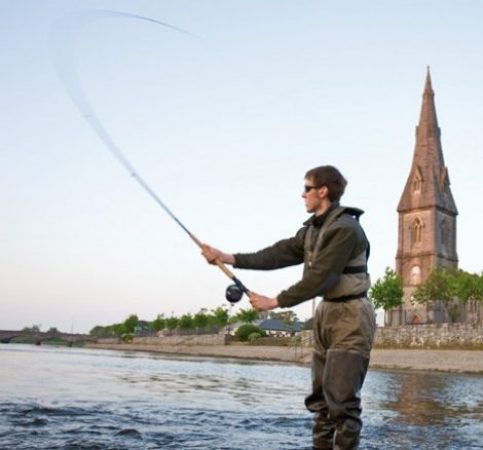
point(427, 215)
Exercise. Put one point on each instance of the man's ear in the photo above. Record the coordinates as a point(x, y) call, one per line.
point(324, 192)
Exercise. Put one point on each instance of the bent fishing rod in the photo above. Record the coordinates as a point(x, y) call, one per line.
point(61, 44)
point(235, 291)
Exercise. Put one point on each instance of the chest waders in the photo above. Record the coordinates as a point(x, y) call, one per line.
point(344, 326)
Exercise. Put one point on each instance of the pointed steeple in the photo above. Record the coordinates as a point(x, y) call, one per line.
point(427, 213)
point(428, 181)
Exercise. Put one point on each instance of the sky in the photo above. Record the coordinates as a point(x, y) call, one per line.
point(222, 115)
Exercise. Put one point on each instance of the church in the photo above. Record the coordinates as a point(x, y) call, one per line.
point(427, 216)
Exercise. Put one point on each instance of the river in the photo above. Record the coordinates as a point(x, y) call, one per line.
point(72, 398)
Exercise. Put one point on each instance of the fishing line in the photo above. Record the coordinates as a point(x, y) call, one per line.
point(62, 40)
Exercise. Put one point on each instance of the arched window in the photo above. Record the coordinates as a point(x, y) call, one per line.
point(417, 231)
point(415, 275)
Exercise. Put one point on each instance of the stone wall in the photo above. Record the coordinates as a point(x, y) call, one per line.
point(445, 335)
point(202, 339)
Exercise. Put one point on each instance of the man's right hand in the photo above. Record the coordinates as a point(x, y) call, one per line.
point(212, 255)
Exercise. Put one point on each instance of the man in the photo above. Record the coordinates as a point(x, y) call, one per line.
point(334, 249)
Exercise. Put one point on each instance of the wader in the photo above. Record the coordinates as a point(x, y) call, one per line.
point(344, 327)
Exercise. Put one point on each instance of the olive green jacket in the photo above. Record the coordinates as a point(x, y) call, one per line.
point(343, 243)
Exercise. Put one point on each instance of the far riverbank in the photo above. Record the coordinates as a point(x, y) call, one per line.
point(456, 361)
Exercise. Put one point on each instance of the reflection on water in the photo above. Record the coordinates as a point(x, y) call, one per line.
point(58, 398)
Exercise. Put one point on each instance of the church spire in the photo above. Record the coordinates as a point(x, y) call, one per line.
point(427, 212)
point(428, 182)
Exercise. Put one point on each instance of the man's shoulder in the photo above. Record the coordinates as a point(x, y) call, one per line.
point(350, 211)
point(347, 217)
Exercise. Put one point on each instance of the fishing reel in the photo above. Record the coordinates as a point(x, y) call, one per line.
point(233, 293)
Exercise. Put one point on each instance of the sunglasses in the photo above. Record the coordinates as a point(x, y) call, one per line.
point(308, 188)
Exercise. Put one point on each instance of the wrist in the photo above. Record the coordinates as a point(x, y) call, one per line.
point(228, 258)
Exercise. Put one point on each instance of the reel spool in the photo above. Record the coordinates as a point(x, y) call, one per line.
point(233, 293)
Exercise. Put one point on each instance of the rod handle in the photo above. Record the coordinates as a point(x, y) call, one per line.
point(222, 267)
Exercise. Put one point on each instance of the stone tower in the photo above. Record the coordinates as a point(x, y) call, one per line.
point(427, 210)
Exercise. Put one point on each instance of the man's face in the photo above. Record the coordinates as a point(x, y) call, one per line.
point(315, 197)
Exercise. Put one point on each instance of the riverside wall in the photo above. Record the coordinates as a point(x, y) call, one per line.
point(427, 336)
point(443, 336)
point(202, 339)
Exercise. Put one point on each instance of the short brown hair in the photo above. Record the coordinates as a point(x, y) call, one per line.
point(328, 176)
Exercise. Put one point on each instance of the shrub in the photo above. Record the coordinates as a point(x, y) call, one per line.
point(246, 330)
point(252, 337)
point(127, 338)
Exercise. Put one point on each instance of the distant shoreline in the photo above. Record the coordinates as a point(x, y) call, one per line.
point(453, 361)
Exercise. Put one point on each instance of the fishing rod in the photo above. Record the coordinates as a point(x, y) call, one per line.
point(235, 291)
point(61, 43)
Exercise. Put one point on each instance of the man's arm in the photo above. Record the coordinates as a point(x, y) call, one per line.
point(284, 253)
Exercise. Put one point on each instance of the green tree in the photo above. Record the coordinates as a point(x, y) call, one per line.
point(159, 323)
point(450, 284)
point(440, 285)
point(172, 323)
point(468, 287)
point(219, 316)
point(186, 322)
point(130, 323)
point(387, 292)
point(100, 330)
point(119, 329)
point(201, 319)
point(246, 315)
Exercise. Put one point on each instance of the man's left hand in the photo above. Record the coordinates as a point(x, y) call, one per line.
point(262, 303)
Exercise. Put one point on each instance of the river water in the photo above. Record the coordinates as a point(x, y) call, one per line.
point(71, 398)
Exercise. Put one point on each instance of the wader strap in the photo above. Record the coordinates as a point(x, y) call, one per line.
point(355, 269)
point(346, 298)
point(311, 252)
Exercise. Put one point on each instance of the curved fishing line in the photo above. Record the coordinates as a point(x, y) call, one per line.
point(62, 40)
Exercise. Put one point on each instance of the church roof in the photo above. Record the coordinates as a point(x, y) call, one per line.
point(428, 181)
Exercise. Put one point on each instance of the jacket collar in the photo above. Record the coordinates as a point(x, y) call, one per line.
point(318, 221)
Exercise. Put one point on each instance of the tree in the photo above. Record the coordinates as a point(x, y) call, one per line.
point(468, 287)
point(186, 322)
point(119, 329)
point(130, 323)
point(201, 319)
point(159, 323)
point(172, 323)
point(100, 331)
point(246, 315)
point(387, 292)
point(219, 316)
point(450, 284)
point(436, 287)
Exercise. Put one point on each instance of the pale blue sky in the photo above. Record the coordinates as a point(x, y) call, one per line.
point(223, 125)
